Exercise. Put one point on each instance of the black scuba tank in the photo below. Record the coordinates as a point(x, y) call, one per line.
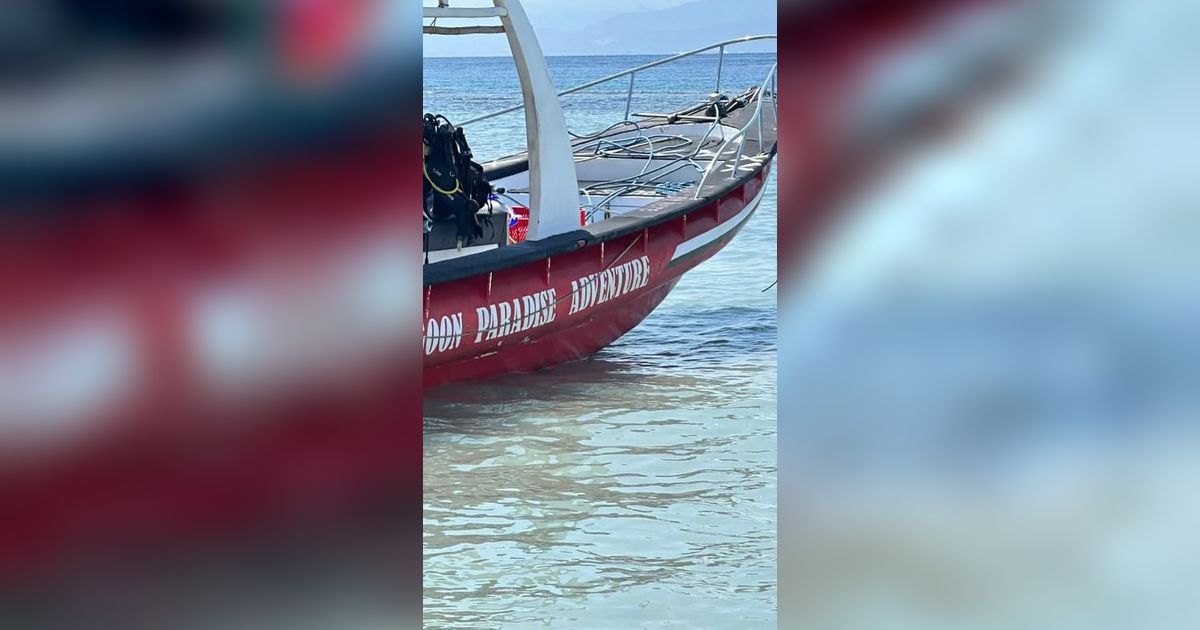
point(454, 186)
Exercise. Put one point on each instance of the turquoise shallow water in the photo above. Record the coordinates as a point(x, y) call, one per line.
point(635, 488)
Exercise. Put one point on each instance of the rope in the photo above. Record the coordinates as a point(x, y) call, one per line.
point(626, 148)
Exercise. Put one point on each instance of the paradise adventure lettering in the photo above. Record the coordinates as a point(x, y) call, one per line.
point(602, 286)
point(511, 317)
point(515, 316)
point(493, 321)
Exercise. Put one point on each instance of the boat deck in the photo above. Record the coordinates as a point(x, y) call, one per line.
point(659, 155)
point(629, 197)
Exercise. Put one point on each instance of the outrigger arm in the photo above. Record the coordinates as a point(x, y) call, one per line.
point(553, 183)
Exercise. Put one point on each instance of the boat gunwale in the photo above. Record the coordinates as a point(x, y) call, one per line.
point(610, 229)
point(656, 213)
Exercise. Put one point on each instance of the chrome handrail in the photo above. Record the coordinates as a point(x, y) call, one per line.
point(740, 136)
point(632, 71)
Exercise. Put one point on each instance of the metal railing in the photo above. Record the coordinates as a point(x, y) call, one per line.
point(720, 47)
point(755, 120)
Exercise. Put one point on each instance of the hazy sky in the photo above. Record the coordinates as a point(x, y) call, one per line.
point(602, 6)
point(582, 27)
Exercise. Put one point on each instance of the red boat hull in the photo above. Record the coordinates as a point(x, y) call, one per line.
point(568, 306)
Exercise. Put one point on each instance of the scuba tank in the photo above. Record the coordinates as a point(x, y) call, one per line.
point(454, 186)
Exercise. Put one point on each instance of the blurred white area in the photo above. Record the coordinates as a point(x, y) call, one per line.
point(991, 378)
point(302, 321)
point(57, 374)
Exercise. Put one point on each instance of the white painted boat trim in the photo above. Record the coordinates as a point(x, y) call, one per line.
point(696, 242)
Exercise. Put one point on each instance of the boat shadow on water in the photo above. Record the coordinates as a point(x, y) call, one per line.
point(718, 353)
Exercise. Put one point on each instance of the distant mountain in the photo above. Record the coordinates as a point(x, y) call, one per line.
point(638, 27)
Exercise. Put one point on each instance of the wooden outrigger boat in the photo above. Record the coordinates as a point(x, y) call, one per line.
point(657, 195)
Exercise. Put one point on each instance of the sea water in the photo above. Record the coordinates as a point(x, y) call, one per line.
point(636, 487)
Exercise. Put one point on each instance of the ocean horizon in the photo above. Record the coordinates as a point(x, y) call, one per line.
point(728, 53)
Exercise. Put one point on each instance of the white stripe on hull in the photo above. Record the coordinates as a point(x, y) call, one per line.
point(696, 242)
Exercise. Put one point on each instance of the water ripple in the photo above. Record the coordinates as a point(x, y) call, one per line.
point(636, 487)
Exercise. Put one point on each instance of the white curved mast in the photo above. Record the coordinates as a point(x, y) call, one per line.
point(553, 184)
